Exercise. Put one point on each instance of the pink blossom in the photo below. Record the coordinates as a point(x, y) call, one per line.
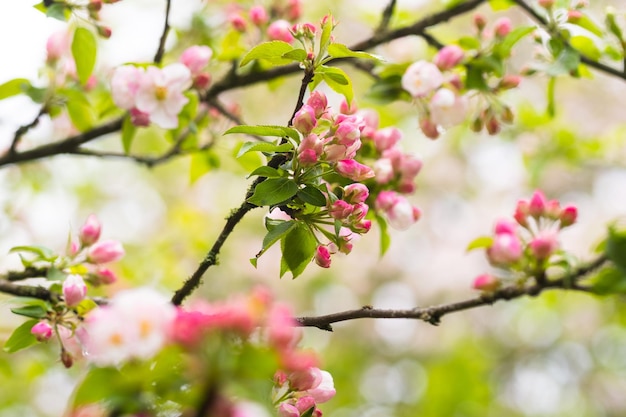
point(447, 109)
point(353, 170)
point(135, 324)
point(304, 120)
point(361, 227)
point(422, 78)
point(480, 21)
point(161, 95)
point(287, 410)
point(58, 44)
point(340, 210)
point(347, 133)
point(104, 276)
point(282, 332)
point(237, 22)
point(258, 15)
point(279, 30)
point(105, 251)
point(486, 282)
point(448, 57)
point(359, 211)
point(305, 379)
point(522, 210)
point(139, 118)
point(569, 214)
point(305, 403)
point(505, 249)
point(307, 157)
point(505, 226)
point(196, 58)
point(74, 290)
point(43, 331)
point(429, 128)
point(502, 27)
point(345, 108)
point(544, 244)
point(325, 390)
point(387, 138)
point(125, 84)
point(318, 102)
point(90, 232)
point(322, 256)
point(400, 213)
point(383, 170)
point(355, 193)
point(510, 81)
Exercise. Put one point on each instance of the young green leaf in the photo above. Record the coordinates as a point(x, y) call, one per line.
point(13, 87)
point(385, 239)
point(274, 235)
point(84, 50)
point(262, 130)
point(272, 51)
point(40, 252)
point(273, 191)
point(312, 195)
point(33, 311)
point(298, 55)
point(480, 243)
point(264, 147)
point(298, 248)
point(267, 172)
point(21, 337)
point(339, 50)
point(616, 247)
point(336, 79)
point(79, 109)
point(128, 134)
point(503, 48)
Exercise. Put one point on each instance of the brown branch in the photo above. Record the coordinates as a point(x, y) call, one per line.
point(583, 58)
point(22, 130)
point(158, 57)
point(386, 17)
point(434, 314)
point(30, 272)
point(41, 293)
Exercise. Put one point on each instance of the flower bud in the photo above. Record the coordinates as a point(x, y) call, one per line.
point(305, 379)
point(546, 4)
point(448, 57)
point(429, 128)
point(322, 256)
point(537, 204)
point(480, 21)
point(544, 244)
point(104, 31)
point(196, 58)
point(318, 103)
point(90, 232)
point(105, 251)
point(505, 249)
point(258, 15)
point(353, 170)
point(569, 215)
point(340, 210)
point(237, 22)
point(510, 81)
point(66, 358)
point(279, 30)
point(502, 27)
point(486, 282)
point(355, 193)
point(74, 290)
point(42, 331)
point(288, 410)
point(505, 226)
point(521, 213)
point(304, 120)
point(104, 276)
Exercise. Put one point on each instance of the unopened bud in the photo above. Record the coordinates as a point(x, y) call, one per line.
point(429, 128)
point(510, 81)
point(569, 214)
point(104, 31)
point(42, 331)
point(546, 4)
point(507, 115)
point(486, 282)
point(480, 21)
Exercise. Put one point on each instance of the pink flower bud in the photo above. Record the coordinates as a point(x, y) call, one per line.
point(448, 57)
point(258, 15)
point(58, 44)
point(105, 276)
point(322, 256)
point(340, 210)
point(66, 358)
point(355, 193)
point(344, 108)
point(353, 170)
point(505, 226)
point(480, 21)
point(307, 157)
point(505, 249)
point(43, 331)
point(544, 244)
point(521, 212)
point(304, 120)
point(139, 118)
point(279, 30)
point(546, 4)
point(347, 133)
point(305, 403)
point(361, 227)
point(202, 81)
point(486, 282)
point(421, 78)
point(502, 27)
point(90, 232)
point(104, 31)
point(105, 251)
point(237, 22)
point(553, 209)
point(318, 102)
point(510, 81)
point(386, 138)
point(305, 379)
point(569, 214)
point(288, 410)
point(492, 125)
point(574, 16)
point(429, 128)
point(325, 390)
point(74, 290)
point(537, 205)
point(294, 9)
point(196, 58)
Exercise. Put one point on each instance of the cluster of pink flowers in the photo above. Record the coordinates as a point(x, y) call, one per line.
point(257, 16)
point(440, 94)
point(527, 243)
point(298, 393)
point(156, 95)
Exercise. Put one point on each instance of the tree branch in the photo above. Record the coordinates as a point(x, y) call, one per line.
point(41, 293)
point(434, 314)
point(386, 17)
point(158, 57)
point(22, 130)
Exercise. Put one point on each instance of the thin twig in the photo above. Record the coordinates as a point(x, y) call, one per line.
point(22, 130)
point(158, 57)
point(434, 314)
point(386, 17)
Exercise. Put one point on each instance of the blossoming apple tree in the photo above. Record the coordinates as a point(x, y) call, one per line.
point(326, 177)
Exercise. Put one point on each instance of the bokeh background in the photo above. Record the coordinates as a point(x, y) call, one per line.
point(560, 354)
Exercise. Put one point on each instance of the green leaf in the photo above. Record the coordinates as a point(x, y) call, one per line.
point(385, 239)
point(264, 130)
point(497, 5)
point(33, 311)
point(264, 147)
point(567, 61)
point(85, 306)
point(274, 234)
point(128, 134)
point(59, 11)
point(504, 47)
point(273, 191)
point(338, 50)
point(272, 51)
point(338, 80)
point(616, 247)
point(586, 46)
point(79, 109)
point(40, 252)
point(327, 29)
point(480, 243)
point(298, 248)
point(201, 163)
point(587, 23)
point(55, 274)
point(97, 385)
point(298, 55)
point(21, 337)
point(14, 87)
point(312, 195)
point(267, 172)
point(609, 280)
point(84, 49)
point(475, 80)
